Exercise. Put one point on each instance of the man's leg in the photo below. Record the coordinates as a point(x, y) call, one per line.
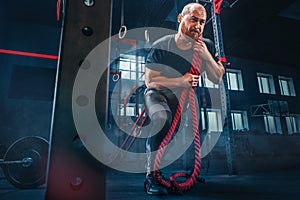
point(161, 125)
point(161, 118)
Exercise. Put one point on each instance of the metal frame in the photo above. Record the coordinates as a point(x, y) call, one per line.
point(260, 110)
point(224, 92)
point(270, 109)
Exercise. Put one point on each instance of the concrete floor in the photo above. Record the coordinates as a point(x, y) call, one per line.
point(268, 185)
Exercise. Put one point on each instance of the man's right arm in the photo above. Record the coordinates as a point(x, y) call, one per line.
point(154, 79)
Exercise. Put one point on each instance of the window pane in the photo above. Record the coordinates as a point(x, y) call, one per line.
point(284, 87)
point(266, 124)
point(128, 66)
point(259, 84)
point(124, 65)
point(203, 120)
point(233, 81)
point(238, 121)
point(269, 124)
point(209, 84)
point(278, 124)
point(130, 111)
point(265, 85)
point(142, 67)
point(233, 122)
point(213, 121)
point(125, 75)
point(291, 125)
point(272, 124)
point(133, 75)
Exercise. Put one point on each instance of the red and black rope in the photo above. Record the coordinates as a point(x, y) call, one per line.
point(190, 179)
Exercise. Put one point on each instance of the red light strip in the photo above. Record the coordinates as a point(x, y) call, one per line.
point(34, 55)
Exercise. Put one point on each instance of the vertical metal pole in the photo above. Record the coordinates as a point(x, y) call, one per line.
point(137, 100)
point(225, 99)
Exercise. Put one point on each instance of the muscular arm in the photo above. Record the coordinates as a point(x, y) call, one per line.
point(154, 79)
point(214, 70)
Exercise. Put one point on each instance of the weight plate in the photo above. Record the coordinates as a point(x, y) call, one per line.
point(33, 150)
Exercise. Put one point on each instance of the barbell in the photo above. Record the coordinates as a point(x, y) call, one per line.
point(25, 162)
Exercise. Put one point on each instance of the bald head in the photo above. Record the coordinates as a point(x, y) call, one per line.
point(187, 9)
point(192, 21)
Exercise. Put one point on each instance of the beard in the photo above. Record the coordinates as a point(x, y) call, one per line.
point(190, 34)
point(194, 34)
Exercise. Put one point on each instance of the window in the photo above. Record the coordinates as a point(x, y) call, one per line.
point(130, 110)
point(205, 82)
point(234, 79)
point(239, 120)
point(132, 67)
point(291, 125)
point(272, 124)
point(265, 83)
point(278, 107)
point(214, 121)
point(286, 86)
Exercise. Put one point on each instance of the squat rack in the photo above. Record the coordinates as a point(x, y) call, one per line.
point(216, 6)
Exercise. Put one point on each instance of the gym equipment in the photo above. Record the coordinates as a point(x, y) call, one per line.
point(25, 162)
point(73, 171)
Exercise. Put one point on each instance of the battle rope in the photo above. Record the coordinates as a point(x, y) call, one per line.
point(190, 180)
point(58, 10)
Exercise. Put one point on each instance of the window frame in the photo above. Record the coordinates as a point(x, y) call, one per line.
point(238, 79)
point(270, 83)
point(290, 86)
point(291, 124)
point(132, 71)
point(244, 118)
point(276, 129)
point(218, 127)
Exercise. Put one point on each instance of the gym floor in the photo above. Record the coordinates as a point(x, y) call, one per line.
point(119, 186)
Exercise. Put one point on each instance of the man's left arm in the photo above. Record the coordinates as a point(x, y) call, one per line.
point(214, 69)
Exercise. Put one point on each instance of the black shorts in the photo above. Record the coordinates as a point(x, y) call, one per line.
point(160, 100)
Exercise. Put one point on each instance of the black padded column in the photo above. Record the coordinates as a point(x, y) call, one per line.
point(73, 173)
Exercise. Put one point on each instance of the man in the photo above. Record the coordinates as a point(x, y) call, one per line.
point(168, 73)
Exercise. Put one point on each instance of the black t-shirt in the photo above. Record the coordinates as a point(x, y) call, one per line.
point(171, 61)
